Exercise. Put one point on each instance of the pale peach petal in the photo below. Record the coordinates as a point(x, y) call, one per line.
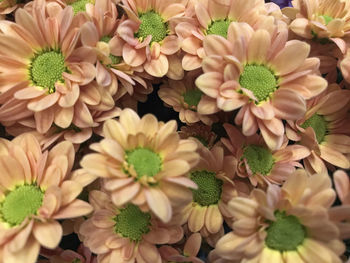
point(334, 157)
point(103, 77)
point(44, 120)
point(76, 208)
point(48, 233)
point(157, 67)
point(217, 45)
point(263, 110)
point(301, 27)
point(170, 45)
point(213, 219)
point(207, 105)
point(70, 191)
point(295, 52)
point(124, 195)
point(29, 253)
point(133, 57)
point(258, 46)
point(196, 219)
point(89, 34)
point(288, 104)
point(64, 117)
point(333, 102)
point(190, 62)
point(193, 244)
point(342, 184)
point(209, 83)
point(11, 172)
point(159, 204)
point(20, 240)
point(43, 103)
point(29, 93)
point(249, 125)
point(202, 15)
point(148, 253)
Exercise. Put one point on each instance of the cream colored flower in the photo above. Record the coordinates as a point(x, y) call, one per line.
point(144, 161)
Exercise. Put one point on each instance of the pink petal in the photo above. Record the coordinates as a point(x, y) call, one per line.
point(157, 67)
point(159, 204)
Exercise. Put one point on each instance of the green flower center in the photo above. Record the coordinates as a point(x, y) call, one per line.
point(20, 203)
point(114, 59)
point(286, 233)
point(327, 19)
point(219, 27)
point(209, 188)
point(152, 24)
point(259, 159)
point(47, 68)
point(79, 5)
point(319, 124)
point(145, 161)
point(258, 79)
point(132, 223)
point(192, 97)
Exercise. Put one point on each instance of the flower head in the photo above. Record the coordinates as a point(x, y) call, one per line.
point(36, 190)
point(288, 224)
point(150, 37)
point(248, 71)
point(144, 161)
point(125, 233)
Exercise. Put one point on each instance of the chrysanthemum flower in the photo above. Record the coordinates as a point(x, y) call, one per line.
point(257, 162)
point(340, 214)
point(248, 71)
point(184, 97)
point(144, 161)
point(323, 130)
point(150, 38)
point(283, 225)
point(214, 176)
point(321, 19)
point(125, 234)
point(35, 191)
point(111, 71)
point(189, 253)
point(42, 70)
point(212, 17)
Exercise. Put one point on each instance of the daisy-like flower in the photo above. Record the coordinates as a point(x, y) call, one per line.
point(212, 17)
point(283, 225)
point(257, 162)
point(111, 71)
point(150, 37)
point(248, 71)
point(184, 97)
point(144, 161)
point(321, 19)
point(214, 177)
point(340, 213)
point(323, 130)
point(125, 234)
point(42, 70)
point(189, 253)
point(35, 191)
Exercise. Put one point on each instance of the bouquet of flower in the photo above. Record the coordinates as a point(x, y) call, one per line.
point(154, 131)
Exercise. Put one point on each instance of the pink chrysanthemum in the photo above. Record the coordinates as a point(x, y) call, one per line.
point(257, 162)
point(144, 161)
point(125, 234)
point(36, 190)
point(248, 71)
point(283, 225)
point(323, 130)
point(150, 38)
point(43, 72)
point(214, 17)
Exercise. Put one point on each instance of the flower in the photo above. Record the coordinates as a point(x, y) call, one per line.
point(248, 71)
point(126, 233)
point(183, 96)
point(143, 161)
point(112, 72)
point(202, 133)
point(321, 20)
point(150, 38)
point(214, 176)
point(8, 6)
point(323, 130)
point(257, 162)
point(43, 72)
point(36, 191)
point(190, 251)
point(286, 225)
point(212, 17)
